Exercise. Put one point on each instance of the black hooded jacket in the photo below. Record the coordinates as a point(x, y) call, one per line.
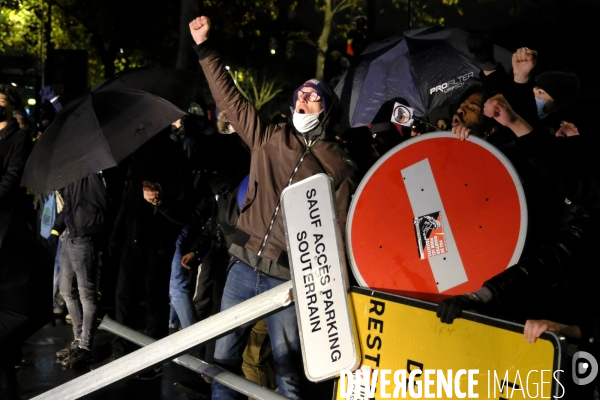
point(86, 204)
point(15, 147)
point(556, 280)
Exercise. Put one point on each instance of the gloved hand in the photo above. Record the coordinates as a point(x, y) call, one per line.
point(483, 50)
point(450, 309)
point(48, 93)
point(53, 240)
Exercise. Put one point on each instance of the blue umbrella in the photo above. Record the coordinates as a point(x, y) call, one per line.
point(425, 69)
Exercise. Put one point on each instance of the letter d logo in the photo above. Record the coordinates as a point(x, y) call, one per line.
point(584, 368)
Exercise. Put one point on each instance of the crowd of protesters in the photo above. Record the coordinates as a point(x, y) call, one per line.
point(190, 223)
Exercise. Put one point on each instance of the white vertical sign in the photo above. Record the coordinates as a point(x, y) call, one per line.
point(426, 201)
point(326, 326)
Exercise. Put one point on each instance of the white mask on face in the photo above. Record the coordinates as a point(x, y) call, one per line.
point(306, 122)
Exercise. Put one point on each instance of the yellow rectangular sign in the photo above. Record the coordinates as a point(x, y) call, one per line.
point(475, 357)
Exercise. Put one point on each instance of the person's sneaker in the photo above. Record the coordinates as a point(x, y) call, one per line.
point(68, 319)
point(77, 357)
point(150, 374)
point(102, 363)
point(64, 353)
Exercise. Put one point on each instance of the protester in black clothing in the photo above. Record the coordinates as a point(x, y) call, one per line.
point(20, 304)
point(83, 220)
point(556, 281)
point(15, 147)
point(226, 162)
point(145, 234)
point(553, 90)
point(541, 99)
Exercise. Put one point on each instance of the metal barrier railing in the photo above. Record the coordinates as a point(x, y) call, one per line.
point(175, 345)
point(227, 378)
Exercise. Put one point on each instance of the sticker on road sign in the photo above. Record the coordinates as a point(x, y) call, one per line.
point(436, 216)
point(429, 230)
point(327, 330)
point(475, 357)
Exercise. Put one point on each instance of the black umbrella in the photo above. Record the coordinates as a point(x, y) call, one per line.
point(180, 87)
point(95, 133)
point(427, 68)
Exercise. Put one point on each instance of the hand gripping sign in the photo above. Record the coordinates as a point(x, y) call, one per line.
point(327, 331)
point(436, 216)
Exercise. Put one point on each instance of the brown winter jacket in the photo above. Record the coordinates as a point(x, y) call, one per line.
point(275, 152)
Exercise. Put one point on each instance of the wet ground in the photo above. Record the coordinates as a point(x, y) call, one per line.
point(39, 371)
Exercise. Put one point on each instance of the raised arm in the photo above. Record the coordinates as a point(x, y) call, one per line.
point(238, 111)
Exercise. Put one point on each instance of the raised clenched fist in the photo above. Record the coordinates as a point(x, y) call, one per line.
point(523, 61)
point(498, 108)
point(199, 29)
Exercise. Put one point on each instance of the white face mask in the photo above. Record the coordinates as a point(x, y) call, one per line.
point(306, 122)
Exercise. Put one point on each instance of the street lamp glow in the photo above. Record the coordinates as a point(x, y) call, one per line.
point(272, 51)
point(227, 67)
point(14, 84)
point(31, 102)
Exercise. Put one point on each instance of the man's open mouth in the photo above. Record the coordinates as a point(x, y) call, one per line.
point(456, 121)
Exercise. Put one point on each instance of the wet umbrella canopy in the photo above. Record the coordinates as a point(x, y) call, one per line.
point(426, 68)
point(174, 85)
point(95, 133)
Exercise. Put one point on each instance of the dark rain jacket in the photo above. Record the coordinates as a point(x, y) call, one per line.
point(276, 151)
point(15, 147)
point(556, 281)
point(86, 205)
point(138, 222)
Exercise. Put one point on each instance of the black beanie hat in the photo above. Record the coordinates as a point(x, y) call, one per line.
point(322, 88)
point(561, 86)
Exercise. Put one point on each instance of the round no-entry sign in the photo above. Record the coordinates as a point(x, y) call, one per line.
point(436, 215)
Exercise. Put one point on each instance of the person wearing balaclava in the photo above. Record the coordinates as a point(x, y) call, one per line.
point(281, 155)
point(553, 90)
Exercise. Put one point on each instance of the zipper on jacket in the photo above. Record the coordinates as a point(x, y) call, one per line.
point(276, 212)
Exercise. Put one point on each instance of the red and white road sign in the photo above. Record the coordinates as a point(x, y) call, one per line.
point(436, 215)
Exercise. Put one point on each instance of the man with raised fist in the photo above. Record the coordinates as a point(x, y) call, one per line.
point(282, 154)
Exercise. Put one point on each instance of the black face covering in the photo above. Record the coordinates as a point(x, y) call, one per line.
point(2, 115)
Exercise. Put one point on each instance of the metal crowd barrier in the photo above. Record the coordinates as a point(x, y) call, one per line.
point(156, 352)
point(227, 378)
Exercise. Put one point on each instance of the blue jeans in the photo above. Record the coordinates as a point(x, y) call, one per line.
point(243, 283)
point(56, 286)
point(180, 292)
point(77, 263)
